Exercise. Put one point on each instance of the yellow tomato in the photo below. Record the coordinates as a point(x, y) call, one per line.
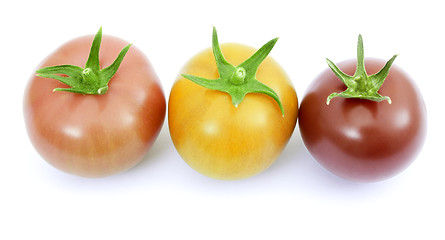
point(224, 141)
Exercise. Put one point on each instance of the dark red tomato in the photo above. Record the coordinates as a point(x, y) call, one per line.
point(95, 135)
point(363, 140)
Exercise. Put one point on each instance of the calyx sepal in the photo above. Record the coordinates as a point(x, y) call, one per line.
point(239, 80)
point(360, 85)
point(90, 79)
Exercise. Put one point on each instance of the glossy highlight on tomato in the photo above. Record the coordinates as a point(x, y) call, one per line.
point(95, 135)
point(358, 139)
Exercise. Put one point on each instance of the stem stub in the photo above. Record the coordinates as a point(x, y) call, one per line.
point(90, 79)
point(361, 85)
point(240, 80)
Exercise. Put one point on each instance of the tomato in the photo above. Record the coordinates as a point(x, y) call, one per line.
point(358, 139)
point(95, 135)
point(224, 140)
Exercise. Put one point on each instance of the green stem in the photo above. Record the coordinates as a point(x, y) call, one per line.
point(88, 80)
point(241, 80)
point(361, 85)
point(239, 76)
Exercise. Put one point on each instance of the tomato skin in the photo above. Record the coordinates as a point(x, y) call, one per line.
point(220, 140)
point(362, 140)
point(95, 135)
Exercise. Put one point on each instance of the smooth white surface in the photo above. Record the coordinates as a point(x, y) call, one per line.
point(163, 198)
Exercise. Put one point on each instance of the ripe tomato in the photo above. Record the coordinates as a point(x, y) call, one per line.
point(224, 141)
point(95, 135)
point(358, 139)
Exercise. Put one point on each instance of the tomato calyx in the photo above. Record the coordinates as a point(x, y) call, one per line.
point(361, 85)
point(88, 80)
point(239, 80)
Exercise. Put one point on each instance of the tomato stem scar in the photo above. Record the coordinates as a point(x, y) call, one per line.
point(239, 80)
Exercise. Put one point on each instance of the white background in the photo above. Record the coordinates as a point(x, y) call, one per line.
point(163, 198)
